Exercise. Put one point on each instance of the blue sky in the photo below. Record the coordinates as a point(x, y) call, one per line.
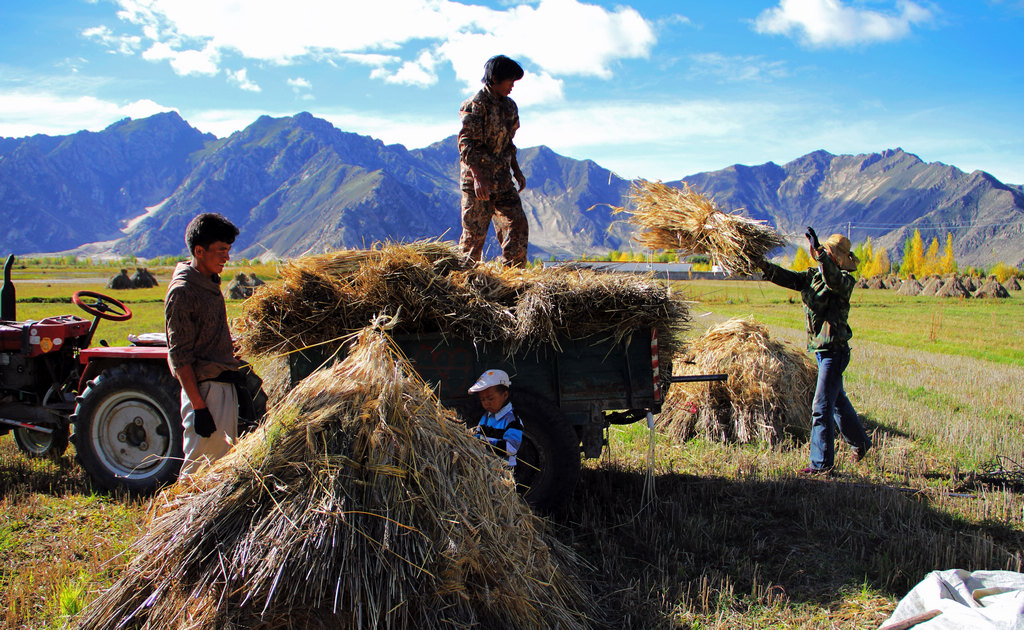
point(647, 88)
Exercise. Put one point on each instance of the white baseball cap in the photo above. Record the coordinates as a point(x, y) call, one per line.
point(490, 378)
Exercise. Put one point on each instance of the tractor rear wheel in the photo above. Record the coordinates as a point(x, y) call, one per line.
point(548, 461)
point(128, 431)
point(39, 444)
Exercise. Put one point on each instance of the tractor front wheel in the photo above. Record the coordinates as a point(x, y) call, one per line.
point(128, 431)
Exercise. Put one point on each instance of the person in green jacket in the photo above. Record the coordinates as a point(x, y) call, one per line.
point(825, 291)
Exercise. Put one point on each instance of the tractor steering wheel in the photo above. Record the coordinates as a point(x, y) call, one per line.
point(104, 307)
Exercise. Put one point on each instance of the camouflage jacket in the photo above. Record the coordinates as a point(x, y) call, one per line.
point(489, 123)
point(825, 292)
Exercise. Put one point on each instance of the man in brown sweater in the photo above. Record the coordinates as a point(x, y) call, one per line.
point(199, 347)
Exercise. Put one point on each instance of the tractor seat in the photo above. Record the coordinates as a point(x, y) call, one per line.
point(156, 340)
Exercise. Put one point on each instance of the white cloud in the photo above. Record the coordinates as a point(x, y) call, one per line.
point(420, 72)
point(556, 38)
point(833, 23)
point(124, 44)
point(298, 83)
point(737, 68)
point(185, 62)
point(29, 113)
point(241, 79)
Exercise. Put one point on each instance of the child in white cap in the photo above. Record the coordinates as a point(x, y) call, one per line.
point(499, 425)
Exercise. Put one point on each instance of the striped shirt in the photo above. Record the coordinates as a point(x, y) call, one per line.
point(503, 431)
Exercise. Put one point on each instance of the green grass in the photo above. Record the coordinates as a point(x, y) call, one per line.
point(985, 329)
point(731, 538)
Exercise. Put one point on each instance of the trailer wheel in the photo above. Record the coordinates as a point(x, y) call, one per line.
point(128, 431)
point(39, 444)
point(549, 458)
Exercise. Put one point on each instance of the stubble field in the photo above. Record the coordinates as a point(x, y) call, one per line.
point(732, 537)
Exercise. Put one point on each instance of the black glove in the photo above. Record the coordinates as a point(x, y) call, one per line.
point(812, 238)
point(202, 422)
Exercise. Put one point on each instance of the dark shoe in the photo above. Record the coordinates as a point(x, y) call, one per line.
point(810, 470)
point(857, 453)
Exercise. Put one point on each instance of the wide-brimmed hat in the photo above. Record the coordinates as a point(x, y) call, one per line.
point(490, 378)
point(838, 246)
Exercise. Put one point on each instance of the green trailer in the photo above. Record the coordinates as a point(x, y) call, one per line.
point(567, 395)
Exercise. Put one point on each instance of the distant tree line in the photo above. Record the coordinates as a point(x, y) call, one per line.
point(917, 259)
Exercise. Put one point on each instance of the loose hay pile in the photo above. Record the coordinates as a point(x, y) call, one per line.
point(433, 288)
point(769, 390)
point(360, 504)
point(683, 219)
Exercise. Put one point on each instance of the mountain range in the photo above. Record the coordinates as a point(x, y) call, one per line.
point(297, 185)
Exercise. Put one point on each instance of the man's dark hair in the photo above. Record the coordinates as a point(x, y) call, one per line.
point(208, 228)
point(500, 68)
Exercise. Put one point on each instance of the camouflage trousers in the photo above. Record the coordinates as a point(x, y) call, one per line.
point(510, 226)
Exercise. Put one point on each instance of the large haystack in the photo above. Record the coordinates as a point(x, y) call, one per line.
point(1011, 284)
point(684, 220)
point(953, 288)
point(243, 285)
point(433, 288)
point(120, 281)
point(143, 279)
point(931, 286)
point(992, 289)
point(768, 392)
point(878, 282)
point(361, 503)
point(910, 287)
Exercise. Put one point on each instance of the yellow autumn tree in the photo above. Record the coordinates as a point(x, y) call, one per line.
point(932, 260)
point(913, 255)
point(879, 265)
point(864, 252)
point(948, 261)
point(802, 261)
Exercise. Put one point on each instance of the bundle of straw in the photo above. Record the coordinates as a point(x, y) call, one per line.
point(684, 220)
point(432, 288)
point(769, 390)
point(361, 503)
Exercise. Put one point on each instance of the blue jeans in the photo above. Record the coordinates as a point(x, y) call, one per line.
point(831, 408)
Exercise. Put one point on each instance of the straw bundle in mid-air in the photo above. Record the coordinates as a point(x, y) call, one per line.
point(431, 287)
point(684, 220)
point(768, 392)
point(360, 503)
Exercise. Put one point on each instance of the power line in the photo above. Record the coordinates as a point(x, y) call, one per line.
point(893, 226)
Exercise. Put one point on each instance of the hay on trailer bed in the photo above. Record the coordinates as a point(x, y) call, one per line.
point(433, 288)
point(768, 393)
point(361, 503)
point(683, 219)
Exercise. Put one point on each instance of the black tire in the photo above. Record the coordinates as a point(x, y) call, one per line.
point(39, 444)
point(549, 458)
point(128, 431)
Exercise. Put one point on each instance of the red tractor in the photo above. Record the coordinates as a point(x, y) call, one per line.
point(123, 403)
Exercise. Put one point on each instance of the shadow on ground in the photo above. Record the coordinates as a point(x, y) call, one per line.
point(762, 541)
